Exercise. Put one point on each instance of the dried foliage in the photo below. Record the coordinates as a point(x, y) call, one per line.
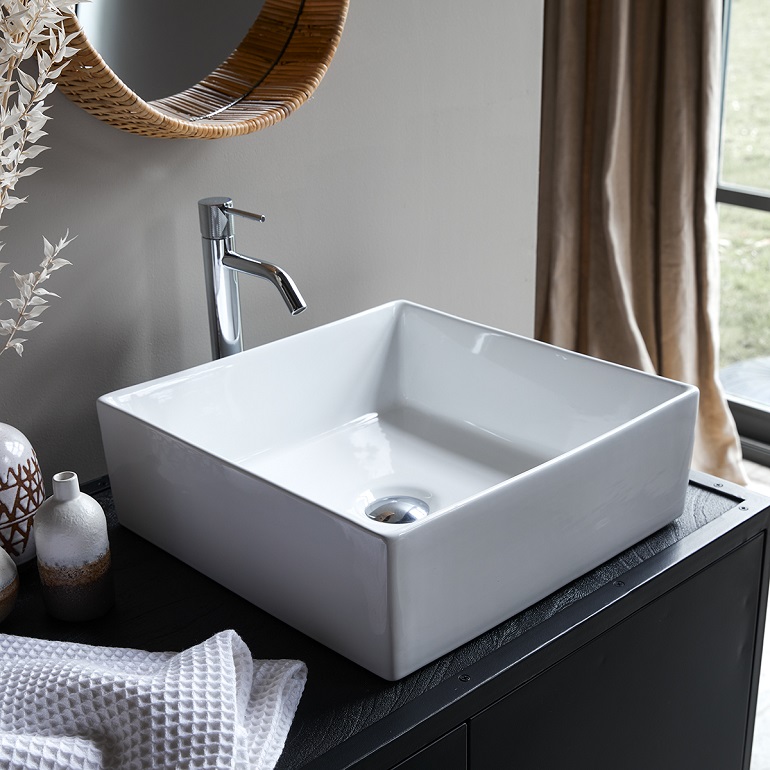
point(33, 51)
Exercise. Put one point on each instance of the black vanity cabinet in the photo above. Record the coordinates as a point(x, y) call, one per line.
point(649, 662)
point(670, 686)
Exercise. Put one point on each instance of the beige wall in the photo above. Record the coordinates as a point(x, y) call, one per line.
point(411, 174)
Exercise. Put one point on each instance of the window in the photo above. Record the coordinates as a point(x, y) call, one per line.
point(743, 196)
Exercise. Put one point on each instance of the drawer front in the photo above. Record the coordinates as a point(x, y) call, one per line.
point(449, 752)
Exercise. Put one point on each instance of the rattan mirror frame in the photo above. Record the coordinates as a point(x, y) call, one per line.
point(273, 71)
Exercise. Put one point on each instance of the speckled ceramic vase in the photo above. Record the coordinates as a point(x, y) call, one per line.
point(21, 493)
point(9, 584)
point(73, 552)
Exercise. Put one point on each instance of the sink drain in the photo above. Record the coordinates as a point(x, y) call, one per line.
point(397, 509)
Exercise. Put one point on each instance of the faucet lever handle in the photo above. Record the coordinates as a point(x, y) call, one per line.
point(245, 214)
point(216, 220)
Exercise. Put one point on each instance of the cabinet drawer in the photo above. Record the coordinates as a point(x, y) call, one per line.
point(449, 752)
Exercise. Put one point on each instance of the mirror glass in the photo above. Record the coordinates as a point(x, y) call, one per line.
point(198, 69)
point(161, 48)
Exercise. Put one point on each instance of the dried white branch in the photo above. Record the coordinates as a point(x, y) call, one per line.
point(31, 301)
point(34, 49)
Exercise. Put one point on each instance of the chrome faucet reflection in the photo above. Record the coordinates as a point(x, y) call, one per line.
point(222, 263)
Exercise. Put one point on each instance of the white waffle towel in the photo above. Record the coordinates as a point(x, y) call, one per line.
point(66, 706)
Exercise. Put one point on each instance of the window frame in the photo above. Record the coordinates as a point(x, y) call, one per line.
point(752, 421)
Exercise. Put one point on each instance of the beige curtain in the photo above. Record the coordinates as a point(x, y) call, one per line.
point(628, 268)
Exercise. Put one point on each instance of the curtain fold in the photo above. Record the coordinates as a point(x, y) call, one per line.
point(628, 268)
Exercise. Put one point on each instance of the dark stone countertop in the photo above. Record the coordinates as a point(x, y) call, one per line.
point(163, 604)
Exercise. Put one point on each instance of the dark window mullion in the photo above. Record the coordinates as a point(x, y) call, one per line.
point(743, 196)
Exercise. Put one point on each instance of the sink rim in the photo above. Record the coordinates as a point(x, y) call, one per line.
point(395, 307)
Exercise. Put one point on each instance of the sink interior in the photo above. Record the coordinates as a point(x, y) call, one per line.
point(398, 452)
point(405, 401)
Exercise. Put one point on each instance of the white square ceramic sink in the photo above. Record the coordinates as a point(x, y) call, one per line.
point(536, 464)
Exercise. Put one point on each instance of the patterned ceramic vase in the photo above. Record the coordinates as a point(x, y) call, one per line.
point(21, 493)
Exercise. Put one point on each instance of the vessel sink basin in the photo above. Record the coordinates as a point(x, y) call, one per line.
point(496, 468)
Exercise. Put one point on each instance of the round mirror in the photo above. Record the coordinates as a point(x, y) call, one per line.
point(242, 84)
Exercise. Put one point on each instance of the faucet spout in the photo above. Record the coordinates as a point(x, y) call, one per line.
point(270, 272)
point(222, 263)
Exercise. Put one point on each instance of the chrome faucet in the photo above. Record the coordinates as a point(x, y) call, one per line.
point(222, 263)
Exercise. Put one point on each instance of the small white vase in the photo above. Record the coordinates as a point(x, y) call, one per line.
point(9, 584)
point(21, 493)
point(73, 552)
